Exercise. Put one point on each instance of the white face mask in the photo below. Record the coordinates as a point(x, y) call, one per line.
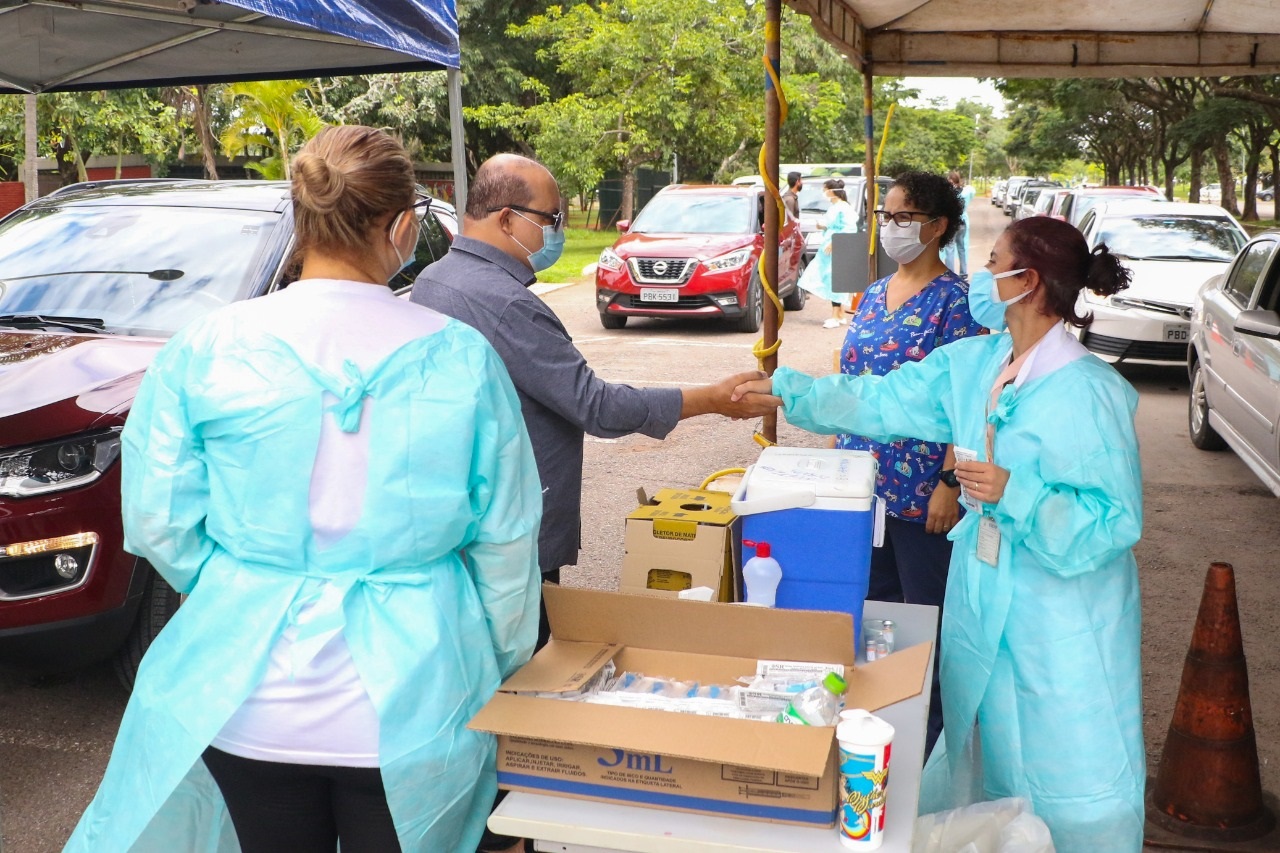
point(902, 243)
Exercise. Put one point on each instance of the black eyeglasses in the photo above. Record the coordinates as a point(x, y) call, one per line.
point(421, 209)
point(902, 218)
point(557, 218)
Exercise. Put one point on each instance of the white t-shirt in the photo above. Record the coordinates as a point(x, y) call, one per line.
point(321, 713)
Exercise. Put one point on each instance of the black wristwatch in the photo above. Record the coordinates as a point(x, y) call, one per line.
point(948, 478)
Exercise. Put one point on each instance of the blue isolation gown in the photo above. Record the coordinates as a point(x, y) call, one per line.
point(1042, 651)
point(435, 589)
point(817, 275)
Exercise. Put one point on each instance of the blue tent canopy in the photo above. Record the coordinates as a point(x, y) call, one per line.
point(51, 46)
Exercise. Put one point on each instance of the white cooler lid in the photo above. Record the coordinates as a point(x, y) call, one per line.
point(828, 473)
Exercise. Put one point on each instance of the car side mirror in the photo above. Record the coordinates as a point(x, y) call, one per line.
point(624, 225)
point(1259, 323)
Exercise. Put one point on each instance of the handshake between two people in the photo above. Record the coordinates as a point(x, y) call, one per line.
point(742, 396)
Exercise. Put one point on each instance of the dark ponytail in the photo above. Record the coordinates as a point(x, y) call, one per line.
point(1106, 276)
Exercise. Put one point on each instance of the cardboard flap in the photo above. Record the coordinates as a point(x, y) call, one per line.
point(891, 679)
point(747, 743)
point(561, 666)
point(701, 627)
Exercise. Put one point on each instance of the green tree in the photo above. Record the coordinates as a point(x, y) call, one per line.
point(650, 78)
point(412, 106)
point(270, 119)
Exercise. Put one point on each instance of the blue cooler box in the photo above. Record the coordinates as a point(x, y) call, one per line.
point(818, 511)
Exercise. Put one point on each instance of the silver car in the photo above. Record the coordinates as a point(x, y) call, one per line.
point(1234, 360)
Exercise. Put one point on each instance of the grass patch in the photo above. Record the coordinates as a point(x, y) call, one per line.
point(582, 246)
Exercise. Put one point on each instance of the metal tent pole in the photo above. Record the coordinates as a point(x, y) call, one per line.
point(30, 174)
point(459, 148)
point(869, 167)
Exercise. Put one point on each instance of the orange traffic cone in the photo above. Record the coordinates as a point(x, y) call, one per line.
point(1208, 786)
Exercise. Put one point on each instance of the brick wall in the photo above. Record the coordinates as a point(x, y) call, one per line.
point(108, 173)
point(12, 196)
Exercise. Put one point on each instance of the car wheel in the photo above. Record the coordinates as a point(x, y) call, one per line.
point(794, 301)
point(1203, 435)
point(754, 309)
point(159, 602)
point(612, 321)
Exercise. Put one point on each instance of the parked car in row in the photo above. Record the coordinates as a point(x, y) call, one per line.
point(93, 280)
point(1234, 360)
point(1073, 204)
point(997, 192)
point(693, 251)
point(1016, 195)
point(1172, 248)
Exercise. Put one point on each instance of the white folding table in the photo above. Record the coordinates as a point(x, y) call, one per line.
point(566, 825)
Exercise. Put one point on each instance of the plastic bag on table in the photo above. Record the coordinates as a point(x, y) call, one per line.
point(998, 826)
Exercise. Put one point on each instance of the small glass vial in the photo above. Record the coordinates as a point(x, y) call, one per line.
point(877, 638)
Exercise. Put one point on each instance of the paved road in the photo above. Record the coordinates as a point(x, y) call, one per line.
point(56, 733)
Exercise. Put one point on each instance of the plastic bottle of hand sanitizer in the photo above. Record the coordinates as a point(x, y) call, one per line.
point(761, 574)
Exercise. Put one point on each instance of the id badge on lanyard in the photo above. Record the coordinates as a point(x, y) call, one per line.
point(988, 530)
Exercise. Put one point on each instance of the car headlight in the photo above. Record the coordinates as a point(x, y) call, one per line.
point(730, 261)
point(57, 465)
point(609, 260)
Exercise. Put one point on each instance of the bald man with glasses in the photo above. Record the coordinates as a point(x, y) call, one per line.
point(514, 227)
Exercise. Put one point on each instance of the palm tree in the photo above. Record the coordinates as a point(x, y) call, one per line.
point(273, 117)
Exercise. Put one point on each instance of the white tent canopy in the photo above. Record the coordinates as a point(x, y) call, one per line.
point(1082, 38)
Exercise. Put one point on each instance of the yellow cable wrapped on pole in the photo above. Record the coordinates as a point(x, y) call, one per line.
point(766, 350)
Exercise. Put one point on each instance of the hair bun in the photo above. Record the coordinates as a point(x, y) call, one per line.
point(1104, 273)
point(839, 183)
point(317, 184)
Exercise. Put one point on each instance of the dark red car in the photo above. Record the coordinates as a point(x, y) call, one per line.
point(693, 252)
point(93, 280)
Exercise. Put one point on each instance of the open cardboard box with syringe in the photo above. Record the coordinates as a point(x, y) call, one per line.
point(734, 767)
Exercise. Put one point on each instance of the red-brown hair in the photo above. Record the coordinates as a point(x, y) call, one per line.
point(1059, 253)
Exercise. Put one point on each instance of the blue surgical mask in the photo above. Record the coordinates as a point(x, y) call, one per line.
point(552, 246)
point(985, 304)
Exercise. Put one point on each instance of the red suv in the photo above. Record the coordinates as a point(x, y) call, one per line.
point(93, 280)
point(693, 252)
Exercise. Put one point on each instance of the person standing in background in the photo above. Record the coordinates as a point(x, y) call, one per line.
point(816, 278)
point(956, 254)
point(791, 195)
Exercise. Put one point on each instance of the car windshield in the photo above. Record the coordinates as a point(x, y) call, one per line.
point(139, 270)
point(1191, 238)
point(697, 213)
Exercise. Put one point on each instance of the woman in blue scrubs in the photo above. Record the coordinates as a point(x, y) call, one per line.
point(1041, 674)
point(341, 483)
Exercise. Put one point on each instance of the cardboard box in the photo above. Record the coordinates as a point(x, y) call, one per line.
point(738, 768)
point(679, 539)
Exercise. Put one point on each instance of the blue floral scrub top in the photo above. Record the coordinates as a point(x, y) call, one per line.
point(880, 341)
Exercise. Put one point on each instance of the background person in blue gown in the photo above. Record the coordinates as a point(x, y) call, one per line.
point(816, 278)
point(1041, 673)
